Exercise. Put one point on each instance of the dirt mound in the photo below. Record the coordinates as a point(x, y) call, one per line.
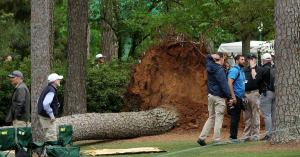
point(172, 73)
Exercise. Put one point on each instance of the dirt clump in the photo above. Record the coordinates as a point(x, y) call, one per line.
point(172, 73)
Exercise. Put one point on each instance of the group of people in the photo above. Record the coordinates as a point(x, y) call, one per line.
point(19, 112)
point(247, 87)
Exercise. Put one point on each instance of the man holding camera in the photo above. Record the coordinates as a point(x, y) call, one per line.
point(251, 113)
point(218, 94)
point(236, 82)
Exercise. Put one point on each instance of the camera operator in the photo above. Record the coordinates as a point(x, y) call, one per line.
point(218, 94)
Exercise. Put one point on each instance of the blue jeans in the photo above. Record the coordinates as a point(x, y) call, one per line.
point(267, 101)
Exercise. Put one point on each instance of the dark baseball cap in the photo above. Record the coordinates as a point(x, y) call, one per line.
point(16, 73)
point(251, 55)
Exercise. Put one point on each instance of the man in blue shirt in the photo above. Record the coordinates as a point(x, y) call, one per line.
point(236, 82)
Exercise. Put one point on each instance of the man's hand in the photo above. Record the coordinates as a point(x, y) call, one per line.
point(214, 56)
point(229, 102)
point(52, 120)
point(234, 101)
point(252, 63)
point(246, 100)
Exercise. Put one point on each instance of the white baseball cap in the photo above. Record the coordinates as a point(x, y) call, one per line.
point(99, 56)
point(54, 76)
point(266, 56)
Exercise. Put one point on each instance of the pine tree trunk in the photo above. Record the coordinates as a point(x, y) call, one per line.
point(41, 51)
point(75, 89)
point(88, 40)
point(246, 44)
point(286, 112)
point(109, 40)
point(120, 125)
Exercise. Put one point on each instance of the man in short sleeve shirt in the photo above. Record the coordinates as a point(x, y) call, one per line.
point(236, 82)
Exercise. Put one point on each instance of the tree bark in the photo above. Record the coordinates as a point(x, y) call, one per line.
point(120, 125)
point(41, 51)
point(75, 90)
point(246, 44)
point(88, 40)
point(286, 112)
point(109, 40)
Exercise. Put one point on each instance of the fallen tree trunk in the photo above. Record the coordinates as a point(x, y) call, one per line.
point(120, 125)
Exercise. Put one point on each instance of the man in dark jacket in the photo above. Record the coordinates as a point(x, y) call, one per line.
point(48, 107)
point(266, 91)
point(19, 113)
point(218, 94)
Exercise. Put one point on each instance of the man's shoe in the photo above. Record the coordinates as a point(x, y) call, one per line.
point(217, 143)
point(201, 142)
point(266, 138)
point(245, 139)
point(234, 141)
point(255, 138)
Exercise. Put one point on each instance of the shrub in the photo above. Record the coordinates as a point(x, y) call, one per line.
point(106, 85)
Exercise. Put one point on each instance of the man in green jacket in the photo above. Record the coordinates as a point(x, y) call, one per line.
point(19, 112)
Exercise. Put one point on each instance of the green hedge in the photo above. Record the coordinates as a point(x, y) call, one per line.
point(106, 85)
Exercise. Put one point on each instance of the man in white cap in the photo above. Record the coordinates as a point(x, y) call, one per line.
point(19, 113)
point(265, 82)
point(100, 59)
point(48, 107)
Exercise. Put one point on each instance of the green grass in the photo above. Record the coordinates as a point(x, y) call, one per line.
point(191, 149)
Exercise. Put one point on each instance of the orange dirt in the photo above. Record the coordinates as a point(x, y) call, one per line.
point(173, 74)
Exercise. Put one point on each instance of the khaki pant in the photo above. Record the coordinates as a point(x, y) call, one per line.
point(49, 128)
point(251, 116)
point(216, 110)
point(18, 124)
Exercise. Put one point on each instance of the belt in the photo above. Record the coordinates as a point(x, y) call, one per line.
point(252, 91)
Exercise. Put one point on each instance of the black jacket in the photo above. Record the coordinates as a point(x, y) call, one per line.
point(250, 82)
point(263, 77)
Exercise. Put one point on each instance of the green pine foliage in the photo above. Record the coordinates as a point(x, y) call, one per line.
point(14, 36)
